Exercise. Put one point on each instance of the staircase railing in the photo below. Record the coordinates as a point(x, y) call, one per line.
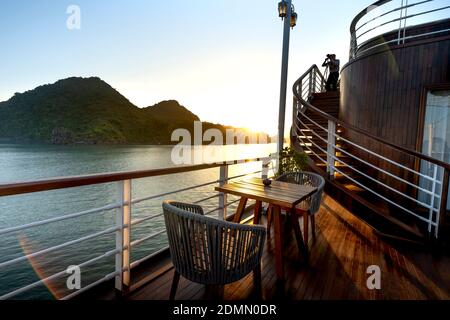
point(429, 208)
point(310, 82)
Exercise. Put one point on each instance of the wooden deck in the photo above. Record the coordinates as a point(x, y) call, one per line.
point(344, 248)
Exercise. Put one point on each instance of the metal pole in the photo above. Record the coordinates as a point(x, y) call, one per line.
point(442, 215)
point(404, 22)
point(284, 75)
point(433, 195)
point(400, 23)
point(123, 222)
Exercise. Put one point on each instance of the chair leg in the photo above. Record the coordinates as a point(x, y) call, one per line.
point(313, 226)
point(220, 289)
point(173, 290)
point(305, 228)
point(214, 292)
point(257, 281)
point(298, 233)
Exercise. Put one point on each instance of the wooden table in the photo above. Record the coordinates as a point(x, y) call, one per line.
point(278, 195)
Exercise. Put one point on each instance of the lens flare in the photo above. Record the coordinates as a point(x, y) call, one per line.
point(27, 247)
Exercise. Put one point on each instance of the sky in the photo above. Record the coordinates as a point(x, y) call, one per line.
point(221, 59)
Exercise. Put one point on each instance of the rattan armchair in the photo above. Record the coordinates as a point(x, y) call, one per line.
point(211, 251)
point(309, 207)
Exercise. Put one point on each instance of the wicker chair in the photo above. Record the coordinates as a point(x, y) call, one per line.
point(308, 207)
point(211, 251)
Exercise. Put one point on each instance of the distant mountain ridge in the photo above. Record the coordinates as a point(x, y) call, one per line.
point(89, 111)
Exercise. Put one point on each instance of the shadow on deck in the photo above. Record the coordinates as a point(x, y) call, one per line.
point(339, 257)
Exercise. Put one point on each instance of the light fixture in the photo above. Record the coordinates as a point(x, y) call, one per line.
point(282, 9)
point(293, 19)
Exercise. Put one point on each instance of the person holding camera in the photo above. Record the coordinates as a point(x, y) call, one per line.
point(333, 64)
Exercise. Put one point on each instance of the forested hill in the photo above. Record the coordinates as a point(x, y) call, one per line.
point(89, 111)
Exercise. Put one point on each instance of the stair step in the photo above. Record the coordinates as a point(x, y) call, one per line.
point(341, 167)
point(331, 102)
point(317, 118)
point(328, 94)
point(326, 103)
point(354, 188)
point(314, 115)
point(381, 209)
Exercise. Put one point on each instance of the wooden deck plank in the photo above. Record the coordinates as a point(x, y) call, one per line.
point(335, 232)
point(344, 248)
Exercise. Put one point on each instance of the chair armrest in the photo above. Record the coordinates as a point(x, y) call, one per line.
point(189, 207)
point(316, 200)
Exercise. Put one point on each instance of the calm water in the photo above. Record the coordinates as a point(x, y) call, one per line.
point(24, 162)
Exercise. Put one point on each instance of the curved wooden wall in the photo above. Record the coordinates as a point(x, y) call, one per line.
point(382, 91)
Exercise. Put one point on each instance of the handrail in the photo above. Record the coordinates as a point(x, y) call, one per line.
point(85, 180)
point(388, 12)
point(364, 12)
point(359, 130)
point(402, 28)
point(400, 19)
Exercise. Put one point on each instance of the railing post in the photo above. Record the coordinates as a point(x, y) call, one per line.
point(310, 84)
point(331, 148)
point(265, 168)
point(314, 75)
point(404, 21)
point(353, 45)
point(123, 223)
point(294, 116)
point(442, 215)
point(223, 196)
point(323, 80)
point(400, 23)
point(433, 196)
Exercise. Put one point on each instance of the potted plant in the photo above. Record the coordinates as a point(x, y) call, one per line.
point(291, 161)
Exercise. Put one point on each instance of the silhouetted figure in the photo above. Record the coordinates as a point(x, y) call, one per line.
point(333, 64)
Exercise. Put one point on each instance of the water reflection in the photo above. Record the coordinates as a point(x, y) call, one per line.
point(19, 163)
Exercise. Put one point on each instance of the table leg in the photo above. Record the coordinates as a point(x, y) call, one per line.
point(240, 210)
point(278, 242)
point(257, 212)
point(269, 220)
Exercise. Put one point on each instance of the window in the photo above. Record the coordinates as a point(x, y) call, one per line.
point(436, 138)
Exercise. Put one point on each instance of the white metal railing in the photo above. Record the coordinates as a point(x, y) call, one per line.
point(395, 16)
point(324, 142)
point(122, 228)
